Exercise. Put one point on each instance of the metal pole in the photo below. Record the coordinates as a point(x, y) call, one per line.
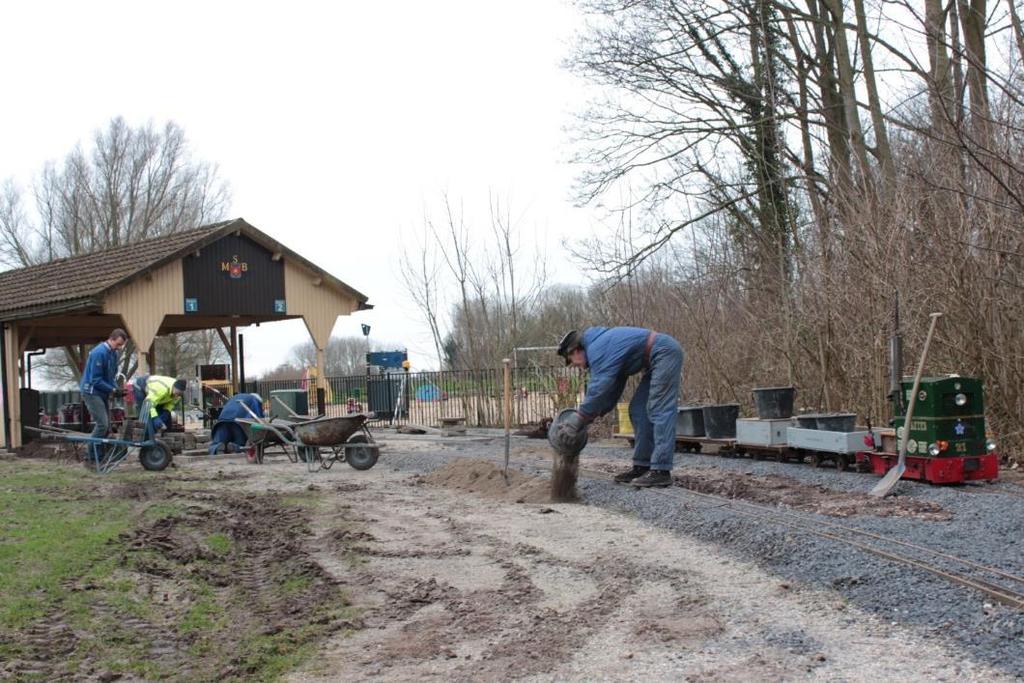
point(241, 362)
point(28, 366)
point(234, 360)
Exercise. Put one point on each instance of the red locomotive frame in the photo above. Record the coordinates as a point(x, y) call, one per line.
point(935, 470)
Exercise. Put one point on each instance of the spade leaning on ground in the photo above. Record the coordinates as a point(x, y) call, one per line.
point(613, 354)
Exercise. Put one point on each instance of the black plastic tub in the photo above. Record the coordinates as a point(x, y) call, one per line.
point(807, 421)
point(837, 422)
point(720, 420)
point(690, 421)
point(774, 403)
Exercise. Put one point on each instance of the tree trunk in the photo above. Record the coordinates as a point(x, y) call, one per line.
point(940, 85)
point(882, 149)
point(847, 90)
point(972, 19)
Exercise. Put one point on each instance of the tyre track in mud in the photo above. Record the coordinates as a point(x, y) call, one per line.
point(486, 617)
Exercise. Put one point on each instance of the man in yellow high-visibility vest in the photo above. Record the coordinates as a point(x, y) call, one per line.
point(162, 393)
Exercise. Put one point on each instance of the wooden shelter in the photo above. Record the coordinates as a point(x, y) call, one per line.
point(225, 275)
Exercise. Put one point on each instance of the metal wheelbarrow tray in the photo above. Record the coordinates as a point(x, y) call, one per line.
point(346, 438)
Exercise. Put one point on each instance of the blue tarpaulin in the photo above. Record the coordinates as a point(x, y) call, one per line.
point(428, 392)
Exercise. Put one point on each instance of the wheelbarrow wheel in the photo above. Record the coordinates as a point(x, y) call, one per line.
point(155, 458)
point(362, 456)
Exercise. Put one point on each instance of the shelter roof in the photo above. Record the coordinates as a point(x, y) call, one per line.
point(81, 282)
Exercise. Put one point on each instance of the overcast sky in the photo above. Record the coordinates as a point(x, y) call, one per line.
point(335, 124)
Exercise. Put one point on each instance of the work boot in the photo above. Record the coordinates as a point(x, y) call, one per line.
point(631, 474)
point(658, 478)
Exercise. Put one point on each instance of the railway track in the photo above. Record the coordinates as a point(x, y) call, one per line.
point(969, 573)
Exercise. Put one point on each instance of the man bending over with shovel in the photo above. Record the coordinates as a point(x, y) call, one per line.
point(613, 354)
point(227, 436)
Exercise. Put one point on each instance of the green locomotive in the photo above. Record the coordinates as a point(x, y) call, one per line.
point(947, 441)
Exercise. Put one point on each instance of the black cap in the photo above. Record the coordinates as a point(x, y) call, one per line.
point(180, 385)
point(570, 342)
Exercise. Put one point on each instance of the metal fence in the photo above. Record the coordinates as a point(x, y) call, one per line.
point(423, 398)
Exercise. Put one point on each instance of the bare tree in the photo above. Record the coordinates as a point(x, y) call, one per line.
point(343, 356)
point(178, 355)
point(485, 284)
point(749, 129)
point(419, 267)
point(130, 184)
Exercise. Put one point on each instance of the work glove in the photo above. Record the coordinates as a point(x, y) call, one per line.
point(567, 435)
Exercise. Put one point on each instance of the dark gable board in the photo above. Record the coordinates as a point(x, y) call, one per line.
point(257, 284)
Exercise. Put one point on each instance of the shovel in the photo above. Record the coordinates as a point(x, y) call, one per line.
point(892, 477)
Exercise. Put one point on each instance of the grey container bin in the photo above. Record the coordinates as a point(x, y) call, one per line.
point(774, 403)
point(720, 420)
point(807, 421)
point(837, 422)
point(690, 421)
point(296, 399)
point(382, 393)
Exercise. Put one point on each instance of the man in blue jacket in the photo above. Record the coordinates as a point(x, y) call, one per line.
point(227, 435)
point(613, 354)
point(98, 383)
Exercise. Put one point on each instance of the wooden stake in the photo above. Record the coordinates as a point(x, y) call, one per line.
point(508, 411)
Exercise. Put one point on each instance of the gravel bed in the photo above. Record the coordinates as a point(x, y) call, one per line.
point(987, 527)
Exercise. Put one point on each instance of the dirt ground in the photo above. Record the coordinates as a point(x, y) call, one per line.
point(475, 587)
point(387, 575)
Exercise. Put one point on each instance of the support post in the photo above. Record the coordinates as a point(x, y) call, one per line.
point(5, 430)
point(147, 362)
point(321, 381)
point(11, 362)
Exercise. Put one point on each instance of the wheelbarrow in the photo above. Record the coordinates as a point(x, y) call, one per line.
point(319, 442)
point(154, 454)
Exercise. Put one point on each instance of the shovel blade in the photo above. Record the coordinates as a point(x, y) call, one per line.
point(889, 481)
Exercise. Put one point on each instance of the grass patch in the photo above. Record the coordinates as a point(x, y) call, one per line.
point(201, 616)
point(219, 543)
point(161, 510)
point(296, 584)
point(53, 531)
point(268, 657)
point(140, 582)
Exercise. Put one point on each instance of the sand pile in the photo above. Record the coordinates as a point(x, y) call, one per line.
point(486, 478)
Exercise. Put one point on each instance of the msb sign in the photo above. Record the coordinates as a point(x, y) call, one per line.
point(234, 275)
